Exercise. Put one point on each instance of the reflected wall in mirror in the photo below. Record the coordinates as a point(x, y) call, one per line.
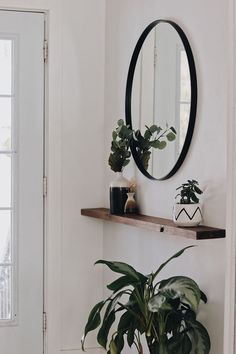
point(162, 90)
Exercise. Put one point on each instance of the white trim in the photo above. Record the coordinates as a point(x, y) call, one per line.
point(230, 284)
point(52, 300)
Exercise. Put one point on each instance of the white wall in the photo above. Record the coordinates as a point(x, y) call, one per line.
point(206, 28)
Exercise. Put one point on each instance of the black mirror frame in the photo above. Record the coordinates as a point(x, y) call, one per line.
point(193, 108)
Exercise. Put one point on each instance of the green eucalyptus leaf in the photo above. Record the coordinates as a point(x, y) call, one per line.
point(120, 122)
point(147, 134)
point(181, 287)
point(170, 136)
point(162, 145)
point(154, 128)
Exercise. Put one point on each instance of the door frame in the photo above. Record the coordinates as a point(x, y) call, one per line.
point(230, 280)
point(52, 162)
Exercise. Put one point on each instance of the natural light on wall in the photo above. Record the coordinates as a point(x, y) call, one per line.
point(6, 185)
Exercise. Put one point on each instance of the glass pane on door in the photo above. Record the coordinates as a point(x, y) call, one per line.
point(5, 66)
point(5, 123)
point(5, 292)
point(5, 180)
point(5, 236)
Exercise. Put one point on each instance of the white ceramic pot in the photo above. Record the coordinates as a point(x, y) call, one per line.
point(187, 215)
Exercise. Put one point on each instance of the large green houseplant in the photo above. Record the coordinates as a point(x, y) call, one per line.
point(164, 311)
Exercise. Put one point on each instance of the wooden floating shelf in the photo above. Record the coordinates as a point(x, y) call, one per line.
point(156, 224)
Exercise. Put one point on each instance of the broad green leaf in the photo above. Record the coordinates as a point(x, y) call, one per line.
point(122, 268)
point(125, 322)
point(94, 320)
point(203, 297)
point(168, 260)
point(170, 136)
point(113, 302)
point(104, 329)
point(154, 128)
point(181, 287)
point(199, 337)
point(119, 340)
point(121, 282)
point(130, 336)
point(179, 344)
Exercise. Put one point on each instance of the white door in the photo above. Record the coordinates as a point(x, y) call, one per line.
point(21, 182)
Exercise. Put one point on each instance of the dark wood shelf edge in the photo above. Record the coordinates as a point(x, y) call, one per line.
point(156, 224)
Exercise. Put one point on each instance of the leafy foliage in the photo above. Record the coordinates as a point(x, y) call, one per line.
point(154, 137)
point(188, 192)
point(165, 312)
point(120, 147)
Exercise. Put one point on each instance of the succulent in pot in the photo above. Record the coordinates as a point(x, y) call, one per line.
point(164, 312)
point(188, 211)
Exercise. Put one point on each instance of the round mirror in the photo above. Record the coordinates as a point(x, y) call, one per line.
point(161, 99)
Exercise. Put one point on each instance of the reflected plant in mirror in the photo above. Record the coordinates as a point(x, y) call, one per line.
point(154, 137)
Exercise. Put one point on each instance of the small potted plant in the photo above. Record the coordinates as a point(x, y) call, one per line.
point(118, 159)
point(153, 137)
point(164, 312)
point(188, 211)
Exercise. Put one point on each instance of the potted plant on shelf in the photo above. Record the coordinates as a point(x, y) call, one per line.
point(163, 311)
point(188, 212)
point(118, 159)
point(153, 137)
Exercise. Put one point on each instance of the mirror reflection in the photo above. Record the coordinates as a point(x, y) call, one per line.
point(161, 96)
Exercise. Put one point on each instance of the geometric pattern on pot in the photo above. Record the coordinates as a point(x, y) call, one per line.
point(183, 210)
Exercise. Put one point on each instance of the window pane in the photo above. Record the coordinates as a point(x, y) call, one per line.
point(5, 236)
point(5, 66)
point(185, 86)
point(5, 181)
point(5, 123)
point(5, 292)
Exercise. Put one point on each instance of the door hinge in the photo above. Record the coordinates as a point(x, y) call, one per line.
point(45, 186)
point(45, 50)
point(44, 322)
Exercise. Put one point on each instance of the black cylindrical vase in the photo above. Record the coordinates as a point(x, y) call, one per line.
point(118, 194)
